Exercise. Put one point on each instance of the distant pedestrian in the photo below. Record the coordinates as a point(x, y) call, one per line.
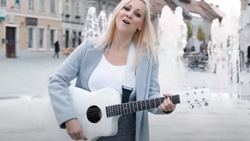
point(57, 49)
point(248, 57)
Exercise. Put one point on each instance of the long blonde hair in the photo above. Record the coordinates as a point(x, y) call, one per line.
point(143, 39)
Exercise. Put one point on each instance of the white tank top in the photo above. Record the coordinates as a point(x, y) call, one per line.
point(107, 75)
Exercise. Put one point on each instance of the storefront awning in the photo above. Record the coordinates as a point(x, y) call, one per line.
point(3, 14)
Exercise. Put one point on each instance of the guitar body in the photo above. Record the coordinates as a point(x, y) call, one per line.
point(98, 112)
point(91, 112)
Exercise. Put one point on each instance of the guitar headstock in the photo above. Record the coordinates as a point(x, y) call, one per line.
point(196, 97)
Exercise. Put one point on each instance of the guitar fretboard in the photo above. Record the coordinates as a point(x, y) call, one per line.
point(131, 107)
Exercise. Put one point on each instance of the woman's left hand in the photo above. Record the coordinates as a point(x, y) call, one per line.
point(167, 105)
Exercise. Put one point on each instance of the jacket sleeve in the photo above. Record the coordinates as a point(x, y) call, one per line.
point(154, 88)
point(59, 82)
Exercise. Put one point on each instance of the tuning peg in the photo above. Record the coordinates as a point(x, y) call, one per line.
point(191, 106)
point(206, 104)
point(199, 105)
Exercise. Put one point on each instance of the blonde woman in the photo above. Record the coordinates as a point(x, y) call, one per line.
point(100, 63)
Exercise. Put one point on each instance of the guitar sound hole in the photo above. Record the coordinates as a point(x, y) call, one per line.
point(94, 114)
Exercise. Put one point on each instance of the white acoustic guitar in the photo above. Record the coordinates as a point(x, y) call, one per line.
point(101, 109)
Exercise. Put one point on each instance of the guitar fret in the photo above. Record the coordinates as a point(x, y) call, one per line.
point(148, 104)
point(131, 107)
point(115, 110)
point(107, 111)
point(125, 109)
point(112, 111)
point(155, 103)
point(142, 103)
point(128, 108)
point(136, 106)
point(119, 109)
point(159, 101)
point(140, 106)
point(136, 103)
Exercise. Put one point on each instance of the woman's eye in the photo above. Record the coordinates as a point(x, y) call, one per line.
point(138, 15)
point(126, 8)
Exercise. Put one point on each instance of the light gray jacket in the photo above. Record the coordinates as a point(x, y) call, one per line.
point(81, 64)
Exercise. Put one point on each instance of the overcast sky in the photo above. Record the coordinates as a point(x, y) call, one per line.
point(227, 6)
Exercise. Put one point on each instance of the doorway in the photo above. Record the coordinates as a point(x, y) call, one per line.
point(10, 42)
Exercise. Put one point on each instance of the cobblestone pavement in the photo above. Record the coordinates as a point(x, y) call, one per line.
point(26, 114)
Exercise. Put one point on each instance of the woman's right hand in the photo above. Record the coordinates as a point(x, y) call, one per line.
point(74, 130)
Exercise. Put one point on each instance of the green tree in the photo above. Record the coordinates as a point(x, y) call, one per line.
point(200, 34)
point(189, 30)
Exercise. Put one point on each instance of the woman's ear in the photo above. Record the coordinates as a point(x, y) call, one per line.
point(140, 28)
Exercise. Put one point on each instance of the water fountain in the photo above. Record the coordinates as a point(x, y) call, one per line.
point(102, 22)
point(224, 50)
point(91, 27)
point(172, 37)
point(95, 25)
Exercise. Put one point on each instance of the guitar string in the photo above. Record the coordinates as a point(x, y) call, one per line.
point(119, 111)
point(120, 108)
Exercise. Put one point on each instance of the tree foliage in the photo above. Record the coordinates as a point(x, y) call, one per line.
point(200, 34)
point(189, 30)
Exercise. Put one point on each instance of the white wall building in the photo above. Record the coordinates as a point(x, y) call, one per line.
point(198, 21)
point(73, 14)
point(245, 26)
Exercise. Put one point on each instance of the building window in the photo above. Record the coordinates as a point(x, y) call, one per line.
point(52, 38)
point(31, 4)
point(41, 38)
point(17, 4)
point(67, 7)
point(52, 7)
point(31, 36)
point(74, 39)
point(3, 3)
point(42, 6)
point(77, 7)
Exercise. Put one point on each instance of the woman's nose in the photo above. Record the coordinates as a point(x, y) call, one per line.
point(129, 15)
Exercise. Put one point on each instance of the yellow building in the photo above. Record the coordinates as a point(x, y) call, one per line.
point(32, 25)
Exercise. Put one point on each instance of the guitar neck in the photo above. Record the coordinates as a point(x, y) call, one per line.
point(132, 107)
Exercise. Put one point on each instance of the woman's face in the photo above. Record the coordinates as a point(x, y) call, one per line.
point(131, 17)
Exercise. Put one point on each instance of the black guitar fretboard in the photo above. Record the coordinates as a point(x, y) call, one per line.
point(131, 107)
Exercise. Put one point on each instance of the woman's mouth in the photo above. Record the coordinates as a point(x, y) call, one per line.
point(126, 21)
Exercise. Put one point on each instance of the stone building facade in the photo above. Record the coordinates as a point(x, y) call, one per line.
point(32, 25)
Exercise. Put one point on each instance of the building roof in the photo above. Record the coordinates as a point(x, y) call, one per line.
point(157, 5)
point(218, 11)
point(207, 11)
